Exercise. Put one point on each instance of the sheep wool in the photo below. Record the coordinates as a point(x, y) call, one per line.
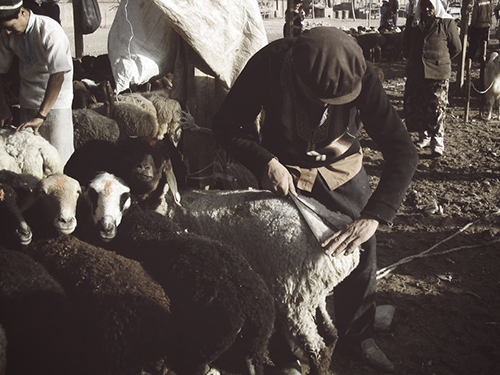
point(123, 315)
point(36, 316)
point(40, 159)
point(280, 246)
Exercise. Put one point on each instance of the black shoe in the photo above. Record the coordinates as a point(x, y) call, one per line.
point(371, 354)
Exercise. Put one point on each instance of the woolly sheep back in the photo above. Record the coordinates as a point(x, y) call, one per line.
point(222, 306)
point(40, 159)
point(36, 316)
point(123, 314)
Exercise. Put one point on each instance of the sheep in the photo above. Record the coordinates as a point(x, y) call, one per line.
point(39, 159)
point(135, 116)
point(91, 125)
point(3, 351)
point(280, 246)
point(122, 317)
point(51, 209)
point(223, 308)
point(108, 199)
point(142, 162)
point(6, 160)
point(14, 188)
point(168, 112)
point(36, 316)
point(492, 84)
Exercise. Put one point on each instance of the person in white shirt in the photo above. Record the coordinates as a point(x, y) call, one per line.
point(46, 72)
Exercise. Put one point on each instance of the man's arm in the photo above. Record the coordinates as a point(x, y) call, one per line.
point(53, 88)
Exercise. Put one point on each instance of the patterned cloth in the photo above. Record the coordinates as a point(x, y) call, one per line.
point(425, 102)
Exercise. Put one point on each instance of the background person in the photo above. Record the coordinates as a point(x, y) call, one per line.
point(46, 71)
point(312, 89)
point(431, 41)
point(479, 28)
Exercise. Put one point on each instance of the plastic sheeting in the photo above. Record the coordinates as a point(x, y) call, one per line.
point(144, 40)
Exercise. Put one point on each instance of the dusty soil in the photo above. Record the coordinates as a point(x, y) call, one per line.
point(447, 319)
point(447, 306)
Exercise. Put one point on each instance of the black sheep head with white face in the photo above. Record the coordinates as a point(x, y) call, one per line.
point(14, 189)
point(149, 163)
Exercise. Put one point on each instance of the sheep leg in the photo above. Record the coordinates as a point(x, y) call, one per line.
point(329, 331)
point(313, 344)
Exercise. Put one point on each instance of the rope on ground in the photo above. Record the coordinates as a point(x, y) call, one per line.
point(381, 273)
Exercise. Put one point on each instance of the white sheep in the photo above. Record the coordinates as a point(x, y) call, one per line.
point(7, 162)
point(168, 112)
point(109, 199)
point(492, 84)
point(279, 245)
point(51, 209)
point(32, 153)
point(135, 116)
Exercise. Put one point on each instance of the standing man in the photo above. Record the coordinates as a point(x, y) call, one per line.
point(479, 28)
point(46, 71)
point(314, 89)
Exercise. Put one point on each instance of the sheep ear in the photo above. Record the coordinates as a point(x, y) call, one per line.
point(177, 163)
point(172, 181)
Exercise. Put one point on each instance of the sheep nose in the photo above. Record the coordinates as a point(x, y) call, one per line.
point(107, 225)
point(66, 221)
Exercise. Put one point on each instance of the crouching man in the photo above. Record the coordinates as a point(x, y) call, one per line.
point(314, 89)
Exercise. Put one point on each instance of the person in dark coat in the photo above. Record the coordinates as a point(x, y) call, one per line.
point(314, 89)
point(479, 28)
point(431, 41)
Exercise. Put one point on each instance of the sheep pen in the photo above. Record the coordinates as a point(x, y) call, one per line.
point(423, 339)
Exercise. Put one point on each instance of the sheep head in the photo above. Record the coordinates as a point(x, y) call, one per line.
point(57, 195)
point(109, 200)
point(149, 163)
point(15, 188)
point(12, 222)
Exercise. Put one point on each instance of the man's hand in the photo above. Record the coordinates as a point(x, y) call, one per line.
point(34, 123)
point(277, 179)
point(355, 234)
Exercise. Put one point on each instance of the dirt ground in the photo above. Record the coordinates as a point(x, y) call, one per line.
point(447, 319)
point(447, 306)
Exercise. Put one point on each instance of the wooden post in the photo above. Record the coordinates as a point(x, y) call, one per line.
point(289, 19)
point(77, 16)
point(464, 31)
point(467, 94)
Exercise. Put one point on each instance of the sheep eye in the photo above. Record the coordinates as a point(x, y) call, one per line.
point(123, 199)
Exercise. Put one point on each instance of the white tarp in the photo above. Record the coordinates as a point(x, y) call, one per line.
point(144, 39)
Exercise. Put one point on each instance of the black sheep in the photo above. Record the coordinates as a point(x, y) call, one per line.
point(36, 316)
point(14, 188)
point(123, 317)
point(146, 164)
point(221, 305)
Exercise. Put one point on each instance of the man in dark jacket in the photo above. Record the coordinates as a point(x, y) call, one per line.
point(314, 89)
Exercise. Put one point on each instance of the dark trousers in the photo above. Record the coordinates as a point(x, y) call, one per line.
point(476, 37)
